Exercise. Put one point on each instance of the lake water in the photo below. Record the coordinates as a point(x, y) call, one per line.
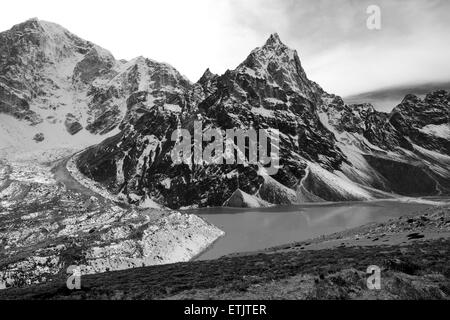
point(257, 229)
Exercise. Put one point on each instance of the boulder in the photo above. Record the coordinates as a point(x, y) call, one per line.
point(72, 124)
point(39, 137)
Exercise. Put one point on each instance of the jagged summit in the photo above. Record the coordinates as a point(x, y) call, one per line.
point(207, 75)
point(274, 47)
point(274, 39)
point(280, 65)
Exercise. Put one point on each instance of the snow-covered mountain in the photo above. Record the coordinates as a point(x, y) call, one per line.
point(58, 95)
point(58, 90)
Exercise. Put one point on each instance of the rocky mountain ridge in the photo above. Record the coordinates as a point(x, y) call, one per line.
point(68, 90)
point(328, 151)
point(60, 94)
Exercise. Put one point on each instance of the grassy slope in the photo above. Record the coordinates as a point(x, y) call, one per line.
point(417, 268)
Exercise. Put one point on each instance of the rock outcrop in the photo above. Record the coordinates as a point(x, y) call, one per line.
point(240, 199)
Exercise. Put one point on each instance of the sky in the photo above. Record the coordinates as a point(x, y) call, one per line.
point(335, 46)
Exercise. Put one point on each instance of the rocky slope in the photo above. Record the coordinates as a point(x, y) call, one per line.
point(70, 92)
point(328, 151)
point(58, 95)
point(48, 222)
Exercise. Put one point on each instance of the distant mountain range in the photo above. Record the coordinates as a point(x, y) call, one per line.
point(388, 98)
point(59, 90)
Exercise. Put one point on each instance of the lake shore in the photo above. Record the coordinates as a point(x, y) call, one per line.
point(256, 229)
point(416, 268)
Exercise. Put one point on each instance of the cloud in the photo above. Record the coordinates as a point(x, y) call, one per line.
point(335, 46)
point(342, 54)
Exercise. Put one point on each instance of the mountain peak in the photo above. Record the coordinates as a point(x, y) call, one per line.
point(34, 19)
point(207, 74)
point(274, 39)
point(207, 78)
point(41, 26)
point(32, 23)
point(277, 61)
point(50, 39)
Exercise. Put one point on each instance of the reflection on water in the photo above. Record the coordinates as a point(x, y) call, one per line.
point(256, 229)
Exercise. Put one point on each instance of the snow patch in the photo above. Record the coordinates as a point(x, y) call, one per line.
point(263, 112)
point(172, 107)
point(440, 131)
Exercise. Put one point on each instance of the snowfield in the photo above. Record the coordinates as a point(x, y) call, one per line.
point(440, 131)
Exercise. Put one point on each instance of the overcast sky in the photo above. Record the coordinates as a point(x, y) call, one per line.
point(336, 48)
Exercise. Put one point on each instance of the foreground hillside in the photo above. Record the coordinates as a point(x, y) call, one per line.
point(416, 268)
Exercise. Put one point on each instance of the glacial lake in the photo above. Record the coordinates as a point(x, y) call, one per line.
point(256, 229)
